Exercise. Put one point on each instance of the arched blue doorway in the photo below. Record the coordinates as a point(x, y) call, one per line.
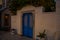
point(27, 24)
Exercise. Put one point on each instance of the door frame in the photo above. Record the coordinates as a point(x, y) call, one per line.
point(33, 23)
point(9, 20)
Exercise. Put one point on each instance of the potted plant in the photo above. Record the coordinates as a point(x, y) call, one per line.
point(41, 36)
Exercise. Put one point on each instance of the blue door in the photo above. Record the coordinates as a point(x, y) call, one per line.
point(28, 24)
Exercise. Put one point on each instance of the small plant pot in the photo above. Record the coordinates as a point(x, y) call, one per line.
point(38, 38)
point(13, 31)
point(42, 38)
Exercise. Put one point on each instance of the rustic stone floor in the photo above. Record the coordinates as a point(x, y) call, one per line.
point(9, 36)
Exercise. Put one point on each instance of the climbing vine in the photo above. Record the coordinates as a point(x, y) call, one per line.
point(15, 5)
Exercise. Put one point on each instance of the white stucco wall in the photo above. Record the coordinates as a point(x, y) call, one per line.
point(45, 21)
point(42, 21)
point(58, 18)
point(50, 21)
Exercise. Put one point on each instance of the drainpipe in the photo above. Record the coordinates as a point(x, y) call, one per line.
point(5, 3)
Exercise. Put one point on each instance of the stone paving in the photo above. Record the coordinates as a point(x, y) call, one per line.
point(9, 36)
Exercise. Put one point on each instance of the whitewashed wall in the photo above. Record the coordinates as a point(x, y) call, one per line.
point(58, 18)
point(50, 21)
point(46, 21)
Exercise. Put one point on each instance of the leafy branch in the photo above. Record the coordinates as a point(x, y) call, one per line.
point(15, 5)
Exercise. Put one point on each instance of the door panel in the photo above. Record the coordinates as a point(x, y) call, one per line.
point(28, 25)
point(25, 25)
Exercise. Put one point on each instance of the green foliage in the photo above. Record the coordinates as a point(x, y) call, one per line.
point(14, 5)
point(50, 5)
point(42, 35)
